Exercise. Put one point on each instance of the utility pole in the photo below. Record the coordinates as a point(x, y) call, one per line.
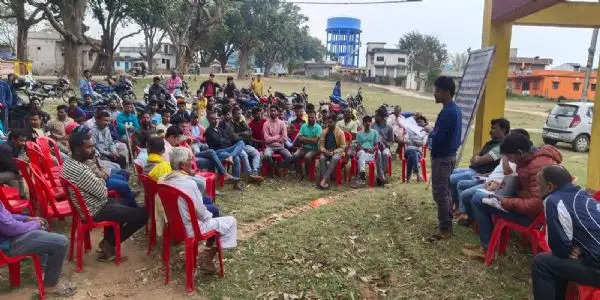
point(590, 65)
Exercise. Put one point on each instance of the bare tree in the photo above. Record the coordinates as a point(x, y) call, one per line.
point(7, 34)
point(110, 14)
point(458, 61)
point(70, 25)
point(188, 23)
point(148, 14)
point(26, 17)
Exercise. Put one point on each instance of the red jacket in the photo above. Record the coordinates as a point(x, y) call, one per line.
point(529, 201)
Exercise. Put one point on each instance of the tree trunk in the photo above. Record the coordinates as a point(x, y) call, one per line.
point(223, 62)
point(103, 64)
point(149, 60)
point(22, 32)
point(184, 60)
point(72, 67)
point(268, 65)
point(243, 61)
point(590, 64)
point(72, 14)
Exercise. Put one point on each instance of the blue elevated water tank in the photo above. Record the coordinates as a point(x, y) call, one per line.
point(343, 40)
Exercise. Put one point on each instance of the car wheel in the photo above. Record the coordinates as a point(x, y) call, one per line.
point(581, 143)
point(548, 141)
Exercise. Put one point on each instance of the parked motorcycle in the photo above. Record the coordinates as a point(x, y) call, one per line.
point(61, 89)
point(124, 88)
point(354, 103)
point(32, 88)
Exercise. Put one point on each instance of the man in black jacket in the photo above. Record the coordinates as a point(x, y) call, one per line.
point(228, 146)
point(483, 163)
point(11, 149)
point(157, 89)
point(230, 88)
point(209, 87)
point(241, 129)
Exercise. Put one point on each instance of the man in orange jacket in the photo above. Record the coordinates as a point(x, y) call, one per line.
point(528, 203)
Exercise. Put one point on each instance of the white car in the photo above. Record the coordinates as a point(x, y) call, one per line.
point(570, 123)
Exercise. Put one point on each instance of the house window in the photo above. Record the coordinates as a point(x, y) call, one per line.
point(534, 85)
point(162, 61)
point(90, 55)
point(555, 85)
point(39, 48)
point(576, 86)
point(401, 60)
point(593, 87)
point(166, 49)
point(118, 63)
point(379, 58)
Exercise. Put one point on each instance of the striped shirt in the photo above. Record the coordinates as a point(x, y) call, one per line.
point(573, 220)
point(92, 188)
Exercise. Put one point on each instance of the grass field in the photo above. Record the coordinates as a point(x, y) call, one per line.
point(366, 244)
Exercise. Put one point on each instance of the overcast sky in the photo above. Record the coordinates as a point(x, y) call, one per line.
point(457, 23)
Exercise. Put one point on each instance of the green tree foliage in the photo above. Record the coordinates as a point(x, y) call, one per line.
point(427, 54)
point(248, 26)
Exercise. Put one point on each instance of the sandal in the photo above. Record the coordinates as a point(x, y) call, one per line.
point(63, 291)
point(110, 258)
point(323, 187)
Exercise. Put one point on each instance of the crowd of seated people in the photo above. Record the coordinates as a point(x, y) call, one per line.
point(509, 178)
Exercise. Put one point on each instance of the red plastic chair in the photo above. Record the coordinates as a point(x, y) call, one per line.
point(36, 157)
point(174, 232)
point(339, 177)
point(211, 178)
point(501, 235)
point(14, 270)
point(583, 292)
point(83, 223)
point(228, 165)
point(9, 196)
point(211, 183)
point(149, 196)
point(38, 197)
point(422, 164)
point(49, 146)
point(49, 206)
point(267, 168)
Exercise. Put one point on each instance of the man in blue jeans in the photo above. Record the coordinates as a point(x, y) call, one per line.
point(219, 138)
point(24, 235)
point(524, 207)
point(241, 128)
point(206, 159)
point(115, 179)
point(483, 163)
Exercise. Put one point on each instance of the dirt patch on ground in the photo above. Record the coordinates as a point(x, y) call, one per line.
point(246, 231)
point(142, 276)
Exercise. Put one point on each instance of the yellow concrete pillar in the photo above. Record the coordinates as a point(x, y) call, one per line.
point(593, 175)
point(492, 105)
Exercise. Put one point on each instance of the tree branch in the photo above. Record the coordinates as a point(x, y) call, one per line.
point(125, 37)
point(160, 39)
point(50, 16)
point(8, 16)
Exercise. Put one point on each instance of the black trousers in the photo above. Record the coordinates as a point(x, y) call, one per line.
point(551, 274)
point(131, 219)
